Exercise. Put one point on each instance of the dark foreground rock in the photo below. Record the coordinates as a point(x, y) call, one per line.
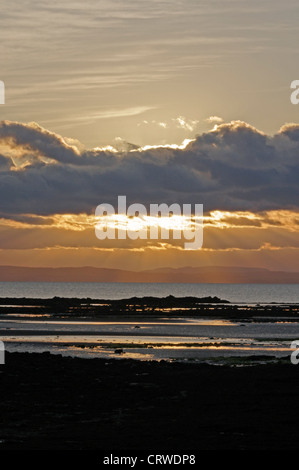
point(54, 402)
point(151, 307)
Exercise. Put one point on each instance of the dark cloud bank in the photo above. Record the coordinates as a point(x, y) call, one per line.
point(234, 167)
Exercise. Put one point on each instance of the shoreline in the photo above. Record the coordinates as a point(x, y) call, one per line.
point(142, 308)
point(51, 401)
point(55, 402)
point(169, 328)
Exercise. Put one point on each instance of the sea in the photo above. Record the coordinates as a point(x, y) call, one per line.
point(236, 293)
point(210, 340)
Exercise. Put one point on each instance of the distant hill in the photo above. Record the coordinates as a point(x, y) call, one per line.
point(206, 274)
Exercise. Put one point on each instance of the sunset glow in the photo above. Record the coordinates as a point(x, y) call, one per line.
point(159, 118)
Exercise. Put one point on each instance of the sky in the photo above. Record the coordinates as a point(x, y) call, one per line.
point(181, 101)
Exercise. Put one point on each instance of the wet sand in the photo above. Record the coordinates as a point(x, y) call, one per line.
point(54, 402)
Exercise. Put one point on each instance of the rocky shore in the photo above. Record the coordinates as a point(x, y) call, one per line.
point(153, 307)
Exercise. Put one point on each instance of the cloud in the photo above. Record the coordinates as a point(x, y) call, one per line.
point(214, 120)
point(222, 231)
point(232, 167)
point(31, 138)
point(180, 122)
point(112, 113)
point(186, 124)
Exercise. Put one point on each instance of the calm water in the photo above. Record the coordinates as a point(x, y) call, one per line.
point(184, 339)
point(187, 339)
point(248, 293)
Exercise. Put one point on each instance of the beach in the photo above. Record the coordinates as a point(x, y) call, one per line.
point(54, 402)
point(89, 374)
point(207, 329)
